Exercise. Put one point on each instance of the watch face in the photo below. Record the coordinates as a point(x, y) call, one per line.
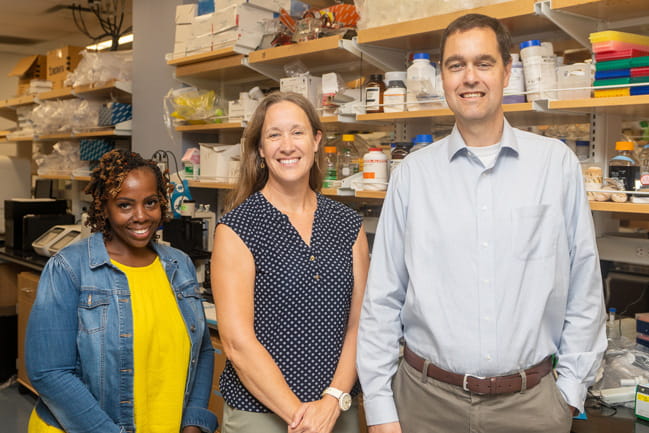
point(345, 401)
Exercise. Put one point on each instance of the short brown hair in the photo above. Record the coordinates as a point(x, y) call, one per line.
point(253, 176)
point(472, 21)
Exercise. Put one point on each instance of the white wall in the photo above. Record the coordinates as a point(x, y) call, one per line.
point(153, 30)
point(8, 87)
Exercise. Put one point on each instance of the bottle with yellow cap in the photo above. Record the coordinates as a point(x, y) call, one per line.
point(331, 172)
point(347, 157)
point(624, 166)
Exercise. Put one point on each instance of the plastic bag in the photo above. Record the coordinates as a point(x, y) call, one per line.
point(101, 68)
point(193, 106)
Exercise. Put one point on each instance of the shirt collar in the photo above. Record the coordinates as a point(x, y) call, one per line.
point(98, 255)
point(456, 144)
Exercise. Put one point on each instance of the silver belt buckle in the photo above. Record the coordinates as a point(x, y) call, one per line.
point(465, 381)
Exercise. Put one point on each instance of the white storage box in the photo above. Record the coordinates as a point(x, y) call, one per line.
point(235, 111)
point(185, 13)
point(215, 161)
point(202, 25)
point(576, 80)
point(183, 33)
point(241, 16)
point(307, 85)
point(270, 5)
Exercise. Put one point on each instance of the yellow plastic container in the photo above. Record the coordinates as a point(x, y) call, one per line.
point(612, 35)
point(607, 93)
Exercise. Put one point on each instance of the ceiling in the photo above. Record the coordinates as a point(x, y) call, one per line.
point(36, 26)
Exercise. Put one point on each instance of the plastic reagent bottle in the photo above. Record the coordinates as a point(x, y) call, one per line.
point(515, 91)
point(375, 169)
point(612, 330)
point(394, 97)
point(420, 85)
point(623, 166)
point(420, 141)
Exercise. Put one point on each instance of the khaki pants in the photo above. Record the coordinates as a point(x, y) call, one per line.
point(427, 405)
point(241, 421)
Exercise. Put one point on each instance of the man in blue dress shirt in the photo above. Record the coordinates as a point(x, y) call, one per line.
point(485, 265)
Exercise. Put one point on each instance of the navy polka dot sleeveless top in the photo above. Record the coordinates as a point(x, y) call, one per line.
point(302, 294)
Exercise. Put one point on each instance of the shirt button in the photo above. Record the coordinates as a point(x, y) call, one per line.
point(312, 258)
point(485, 244)
point(316, 276)
point(488, 357)
point(192, 328)
point(483, 207)
point(487, 318)
point(485, 281)
point(179, 296)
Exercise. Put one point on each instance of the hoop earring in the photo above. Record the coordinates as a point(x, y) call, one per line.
point(262, 164)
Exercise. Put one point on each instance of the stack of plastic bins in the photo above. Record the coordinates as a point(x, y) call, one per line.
point(622, 59)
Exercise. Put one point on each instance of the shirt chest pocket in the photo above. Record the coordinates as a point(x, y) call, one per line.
point(534, 232)
point(93, 310)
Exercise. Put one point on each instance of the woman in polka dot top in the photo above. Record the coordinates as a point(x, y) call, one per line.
point(288, 272)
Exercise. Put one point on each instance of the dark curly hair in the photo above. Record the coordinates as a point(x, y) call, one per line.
point(106, 182)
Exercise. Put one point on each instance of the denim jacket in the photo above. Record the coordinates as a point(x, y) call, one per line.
point(79, 347)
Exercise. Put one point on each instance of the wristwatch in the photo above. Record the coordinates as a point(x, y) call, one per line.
point(344, 399)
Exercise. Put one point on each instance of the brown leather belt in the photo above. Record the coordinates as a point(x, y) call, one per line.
point(518, 382)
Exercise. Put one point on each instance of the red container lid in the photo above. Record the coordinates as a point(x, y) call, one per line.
point(642, 71)
point(619, 54)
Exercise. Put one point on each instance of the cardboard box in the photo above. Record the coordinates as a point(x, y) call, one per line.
point(9, 287)
point(216, 398)
point(60, 62)
point(27, 69)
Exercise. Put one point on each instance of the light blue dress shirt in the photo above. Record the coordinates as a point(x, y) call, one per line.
point(484, 270)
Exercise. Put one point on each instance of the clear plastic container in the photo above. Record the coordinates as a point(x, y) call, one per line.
point(421, 92)
point(624, 166)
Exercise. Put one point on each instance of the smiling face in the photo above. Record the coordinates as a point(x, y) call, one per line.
point(288, 145)
point(474, 77)
point(134, 214)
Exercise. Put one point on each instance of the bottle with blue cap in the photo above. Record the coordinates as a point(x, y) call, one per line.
point(420, 141)
point(420, 84)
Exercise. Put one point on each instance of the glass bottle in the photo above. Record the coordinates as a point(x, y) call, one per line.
point(331, 172)
point(624, 166)
point(374, 90)
point(347, 157)
point(399, 151)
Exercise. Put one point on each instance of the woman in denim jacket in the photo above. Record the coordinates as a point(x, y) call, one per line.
point(117, 339)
